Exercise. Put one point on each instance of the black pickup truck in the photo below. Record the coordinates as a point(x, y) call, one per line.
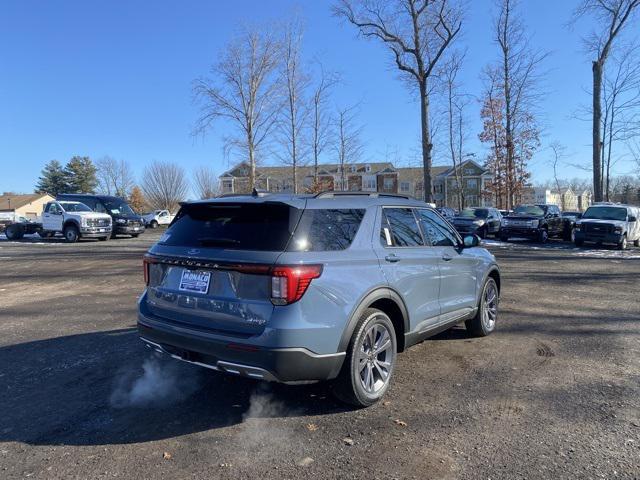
point(536, 222)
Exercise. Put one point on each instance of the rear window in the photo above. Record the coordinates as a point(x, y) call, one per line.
point(240, 226)
point(326, 230)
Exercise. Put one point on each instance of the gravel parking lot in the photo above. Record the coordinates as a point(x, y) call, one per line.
point(554, 393)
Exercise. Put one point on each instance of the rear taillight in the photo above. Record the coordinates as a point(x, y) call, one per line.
point(288, 283)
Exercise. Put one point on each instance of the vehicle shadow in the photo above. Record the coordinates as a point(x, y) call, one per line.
point(107, 388)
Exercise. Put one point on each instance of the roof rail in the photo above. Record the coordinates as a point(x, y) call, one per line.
point(331, 194)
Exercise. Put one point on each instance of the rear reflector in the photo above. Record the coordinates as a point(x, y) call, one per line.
point(289, 283)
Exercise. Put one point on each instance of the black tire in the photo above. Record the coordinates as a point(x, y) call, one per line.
point(480, 325)
point(113, 235)
point(71, 233)
point(543, 236)
point(103, 239)
point(504, 238)
point(636, 243)
point(14, 232)
point(623, 243)
point(153, 224)
point(482, 233)
point(569, 234)
point(349, 386)
point(579, 243)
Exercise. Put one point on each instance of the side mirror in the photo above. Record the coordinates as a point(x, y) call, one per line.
point(471, 241)
point(632, 218)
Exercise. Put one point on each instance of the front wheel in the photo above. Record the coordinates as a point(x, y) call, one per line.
point(623, 243)
point(636, 243)
point(71, 233)
point(485, 320)
point(371, 356)
point(153, 224)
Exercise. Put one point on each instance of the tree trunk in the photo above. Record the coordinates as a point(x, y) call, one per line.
point(426, 143)
point(597, 118)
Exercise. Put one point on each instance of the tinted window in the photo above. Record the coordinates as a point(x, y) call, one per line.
point(402, 228)
point(117, 206)
point(74, 207)
point(437, 231)
point(606, 213)
point(239, 226)
point(326, 230)
point(529, 210)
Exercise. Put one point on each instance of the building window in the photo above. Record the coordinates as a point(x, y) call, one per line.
point(437, 188)
point(369, 183)
point(227, 186)
point(387, 183)
point(354, 169)
point(404, 187)
point(367, 168)
point(472, 200)
point(472, 183)
point(468, 171)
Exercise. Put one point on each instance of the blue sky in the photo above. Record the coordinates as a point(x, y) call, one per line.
point(114, 78)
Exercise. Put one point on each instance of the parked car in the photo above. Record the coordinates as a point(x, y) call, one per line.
point(157, 218)
point(615, 224)
point(536, 222)
point(294, 289)
point(447, 212)
point(478, 221)
point(125, 220)
point(570, 219)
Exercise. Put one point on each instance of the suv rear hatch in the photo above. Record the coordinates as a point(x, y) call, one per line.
point(212, 269)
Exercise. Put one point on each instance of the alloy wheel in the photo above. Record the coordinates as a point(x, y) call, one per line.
point(490, 306)
point(375, 358)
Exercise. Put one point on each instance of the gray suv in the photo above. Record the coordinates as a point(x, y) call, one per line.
point(295, 288)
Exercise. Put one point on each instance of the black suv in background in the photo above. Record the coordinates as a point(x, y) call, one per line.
point(478, 221)
point(125, 220)
point(536, 222)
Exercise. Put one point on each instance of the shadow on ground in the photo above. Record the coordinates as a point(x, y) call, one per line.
point(96, 388)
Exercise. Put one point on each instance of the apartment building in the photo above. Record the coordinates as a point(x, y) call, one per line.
point(369, 177)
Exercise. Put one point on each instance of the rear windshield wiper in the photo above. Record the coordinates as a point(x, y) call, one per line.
point(211, 241)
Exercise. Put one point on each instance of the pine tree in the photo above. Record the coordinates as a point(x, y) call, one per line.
point(136, 200)
point(53, 179)
point(81, 175)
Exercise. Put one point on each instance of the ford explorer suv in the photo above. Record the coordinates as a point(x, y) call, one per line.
point(74, 220)
point(125, 220)
point(478, 221)
point(294, 288)
point(534, 222)
point(609, 223)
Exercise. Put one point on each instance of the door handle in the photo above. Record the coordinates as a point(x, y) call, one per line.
point(392, 258)
point(447, 258)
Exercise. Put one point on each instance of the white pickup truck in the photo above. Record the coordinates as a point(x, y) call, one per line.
point(73, 219)
point(158, 217)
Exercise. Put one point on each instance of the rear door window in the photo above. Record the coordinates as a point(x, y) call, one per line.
point(400, 227)
point(234, 226)
point(321, 230)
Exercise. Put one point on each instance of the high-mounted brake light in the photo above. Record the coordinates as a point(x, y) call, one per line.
point(289, 283)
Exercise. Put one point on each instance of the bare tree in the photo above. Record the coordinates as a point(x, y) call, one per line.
point(558, 151)
point(621, 119)
point(515, 80)
point(164, 185)
point(613, 16)
point(347, 143)
point(115, 177)
point(456, 102)
point(205, 183)
point(295, 113)
point(320, 117)
point(244, 90)
point(418, 33)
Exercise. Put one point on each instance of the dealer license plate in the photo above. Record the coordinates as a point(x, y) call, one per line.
point(194, 281)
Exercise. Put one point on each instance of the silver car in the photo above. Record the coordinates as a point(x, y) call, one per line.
point(295, 288)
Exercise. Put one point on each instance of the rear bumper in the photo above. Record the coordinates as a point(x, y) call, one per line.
point(232, 355)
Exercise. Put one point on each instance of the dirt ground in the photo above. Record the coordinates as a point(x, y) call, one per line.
point(554, 393)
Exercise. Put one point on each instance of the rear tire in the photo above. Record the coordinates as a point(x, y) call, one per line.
point(579, 243)
point(504, 238)
point(14, 232)
point(485, 320)
point(71, 233)
point(636, 243)
point(371, 356)
point(543, 236)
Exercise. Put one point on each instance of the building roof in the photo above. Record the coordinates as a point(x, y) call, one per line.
point(11, 202)
point(241, 170)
